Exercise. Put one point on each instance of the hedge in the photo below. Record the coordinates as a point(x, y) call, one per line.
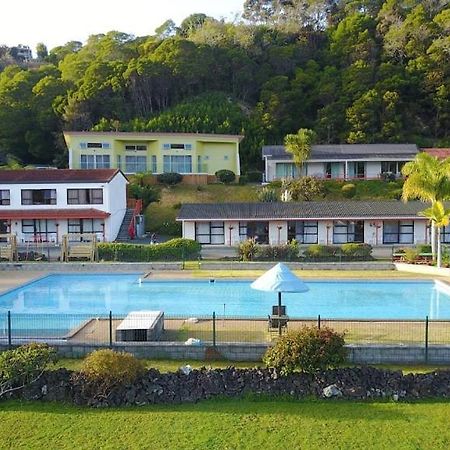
point(174, 250)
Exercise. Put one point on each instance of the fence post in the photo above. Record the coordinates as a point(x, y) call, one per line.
point(318, 321)
point(9, 331)
point(214, 329)
point(426, 339)
point(110, 330)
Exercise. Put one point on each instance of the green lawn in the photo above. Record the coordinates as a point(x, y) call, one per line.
point(228, 424)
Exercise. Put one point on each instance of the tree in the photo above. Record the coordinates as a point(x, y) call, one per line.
point(41, 51)
point(439, 217)
point(299, 145)
point(165, 30)
point(428, 180)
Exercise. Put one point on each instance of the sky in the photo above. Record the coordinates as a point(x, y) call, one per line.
point(55, 22)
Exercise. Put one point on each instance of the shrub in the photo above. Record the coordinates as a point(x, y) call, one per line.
point(248, 249)
point(424, 248)
point(254, 176)
point(170, 178)
point(304, 188)
point(243, 180)
point(319, 251)
point(358, 250)
point(148, 194)
point(267, 195)
point(225, 176)
point(285, 252)
point(275, 184)
point(24, 365)
point(107, 369)
point(177, 249)
point(308, 349)
point(348, 190)
point(410, 254)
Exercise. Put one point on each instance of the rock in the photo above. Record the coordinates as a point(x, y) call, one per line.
point(331, 391)
point(186, 370)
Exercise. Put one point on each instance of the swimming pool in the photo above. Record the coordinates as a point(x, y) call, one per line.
point(99, 294)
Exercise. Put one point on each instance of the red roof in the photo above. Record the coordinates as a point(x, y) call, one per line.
point(90, 213)
point(438, 152)
point(57, 176)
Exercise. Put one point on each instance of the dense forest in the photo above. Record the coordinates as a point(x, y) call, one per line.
point(351, 70)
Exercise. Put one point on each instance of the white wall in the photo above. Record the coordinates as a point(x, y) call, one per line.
point(373, 169)
point(316, 169)
point(188, 229)
point(115, 202)
point(274, 230)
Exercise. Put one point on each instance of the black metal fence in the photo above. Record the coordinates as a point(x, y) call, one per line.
point(101, 329)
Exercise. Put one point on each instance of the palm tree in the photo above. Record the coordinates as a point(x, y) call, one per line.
point(299, 145)
point(439, 217)
point(427, 179)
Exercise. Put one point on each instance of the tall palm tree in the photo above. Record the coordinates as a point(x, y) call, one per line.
point(440, 217)
point(427, 178)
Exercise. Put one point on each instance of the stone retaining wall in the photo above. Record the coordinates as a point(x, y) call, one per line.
point(358, 354)
point(190, 386)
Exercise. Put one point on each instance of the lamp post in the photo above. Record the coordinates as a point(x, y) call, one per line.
point(328, 234)
point(230, 229)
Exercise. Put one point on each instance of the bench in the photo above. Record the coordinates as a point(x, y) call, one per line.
point(80, 251)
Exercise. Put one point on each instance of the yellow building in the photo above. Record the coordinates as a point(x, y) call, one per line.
point(132, 152)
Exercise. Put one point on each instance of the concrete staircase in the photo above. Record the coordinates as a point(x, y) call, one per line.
point(123, 232)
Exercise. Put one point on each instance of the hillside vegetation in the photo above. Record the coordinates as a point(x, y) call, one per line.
point(351, 70)
point(160, 216)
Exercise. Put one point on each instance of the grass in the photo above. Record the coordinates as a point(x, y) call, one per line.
point(229, 424)
point(165, 211)
point(160, 217)
point(170, 365)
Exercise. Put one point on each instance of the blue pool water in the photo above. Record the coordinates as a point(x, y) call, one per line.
point(99, 294)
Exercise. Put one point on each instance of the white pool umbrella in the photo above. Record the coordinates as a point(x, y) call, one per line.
point(279, 279)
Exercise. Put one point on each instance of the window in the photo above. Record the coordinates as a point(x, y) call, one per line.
point(398, 232)
point(242, 231)
point(177, 146)
point(87, 161)
point(304, 232)
point(394, 167)
point(84, 196)
point(102, 162)
point(154, 164)
point(83, 145)
point(210, 233)
point(95, 161)
point(348, 231)
point(259, 231)
point(333, 170)
point(356, 169)
point(39, 230)
point(119, 162)
point(85, 226)
point(445, 234)
point(94, 145)
point(38, 196)
point(179, 164)
point(136, 147)
point(285, 170)
point(5, 197)
point(135, 164)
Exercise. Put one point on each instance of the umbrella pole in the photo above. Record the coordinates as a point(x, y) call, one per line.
point(279, 313)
